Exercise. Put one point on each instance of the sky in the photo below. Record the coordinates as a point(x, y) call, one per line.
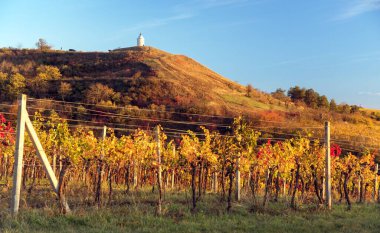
point(332, 46)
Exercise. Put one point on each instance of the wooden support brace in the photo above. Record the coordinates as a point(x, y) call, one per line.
point(41, 154)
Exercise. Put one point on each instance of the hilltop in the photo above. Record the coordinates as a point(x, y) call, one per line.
point(146, 77)
point(151, 76)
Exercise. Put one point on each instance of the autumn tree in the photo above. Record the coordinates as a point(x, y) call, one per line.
point(296, 93)
point(64, 90)
point(249, 90)
point(11, 85)
point(46, 72)
point(39, 84)
point(323, 102)
point(354, 109)
point(279, 94)
point(41, 44)
point(98, 92)
point(311, 98)
point(344, 108)
point(333, 105)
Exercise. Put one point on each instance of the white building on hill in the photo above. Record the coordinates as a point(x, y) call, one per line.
point(140, 40)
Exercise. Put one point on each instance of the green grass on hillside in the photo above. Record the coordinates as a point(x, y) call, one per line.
point(250, 102)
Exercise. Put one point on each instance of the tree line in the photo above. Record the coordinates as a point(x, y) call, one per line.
point(312, 99)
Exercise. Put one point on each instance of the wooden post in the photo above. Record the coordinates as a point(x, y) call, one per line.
point(19, 152)
point(375, 183)
point(98, 192)
point(237, 187)
point(173, 170)
point(249, 178)
point(104, 138)
point(328, 166)
point(324, 186)
point(159, 177)
point(360, 187)
point(135, 174)
point(215, 182)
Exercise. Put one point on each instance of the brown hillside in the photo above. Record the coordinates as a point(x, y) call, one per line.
point(146, 77)
point(150, 76)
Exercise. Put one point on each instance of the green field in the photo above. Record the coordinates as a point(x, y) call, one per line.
point(136, 213)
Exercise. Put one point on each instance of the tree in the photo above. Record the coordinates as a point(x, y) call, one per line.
point(354, 109)
point(41, 44)
point(40, 83)
point(64, 90)
point(249, 90)
point(98, 93)
point(296, 94)
point(45, 72)
point(323, 102)
point(279, 94)
point(333, 105)
point(3, 85)
point(11, 85)
point(344, 108)
point(16, 85)
point(311, 98)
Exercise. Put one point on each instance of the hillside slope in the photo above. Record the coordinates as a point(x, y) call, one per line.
point(180, 82)
point(147, 77)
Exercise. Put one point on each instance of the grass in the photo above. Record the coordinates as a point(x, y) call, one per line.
point(250, 102)
point(123, 219)
point(136, 213)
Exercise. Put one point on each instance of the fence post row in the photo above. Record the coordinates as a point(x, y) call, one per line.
point(24, 122)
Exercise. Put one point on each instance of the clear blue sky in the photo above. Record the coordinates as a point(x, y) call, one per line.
point(332, 46)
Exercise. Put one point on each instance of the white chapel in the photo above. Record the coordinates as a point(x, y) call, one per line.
point(140, 40)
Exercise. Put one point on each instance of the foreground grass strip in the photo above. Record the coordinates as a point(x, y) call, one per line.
point(363, 218)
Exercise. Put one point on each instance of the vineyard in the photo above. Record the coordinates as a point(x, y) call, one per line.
point(94, 164)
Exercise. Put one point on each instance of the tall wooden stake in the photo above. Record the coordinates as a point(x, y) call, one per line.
point(324, 185)
point(376, 182)
point(19, 152)
point(98, 193)
point(328, 166)
point(159, 178)
point(173, 171)
point(237, 187)
point(215, 183)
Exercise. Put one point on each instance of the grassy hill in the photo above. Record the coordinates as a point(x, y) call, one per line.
point(146, 77)
point(184, 82)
